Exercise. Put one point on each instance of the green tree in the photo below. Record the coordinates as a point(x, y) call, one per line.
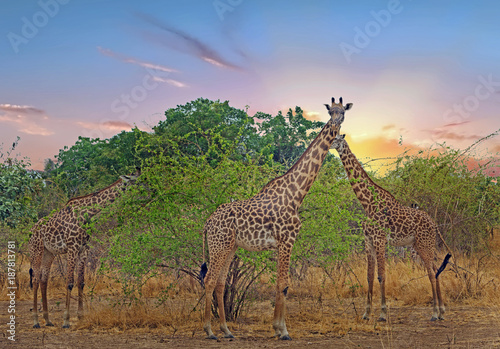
point(286, 137)
point(200, 124)
point(17, 187)
point(92, 164)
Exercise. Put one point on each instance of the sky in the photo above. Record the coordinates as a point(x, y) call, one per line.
point(417, 72)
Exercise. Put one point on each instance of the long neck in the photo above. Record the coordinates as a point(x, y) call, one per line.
point(369, 194)
point(92, 204)
point(300, 177)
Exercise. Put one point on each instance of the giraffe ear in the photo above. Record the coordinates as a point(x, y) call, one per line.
point(327, 107)
point(348, 106)
point(342, 136)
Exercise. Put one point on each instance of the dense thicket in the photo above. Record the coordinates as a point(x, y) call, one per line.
point(206, 153)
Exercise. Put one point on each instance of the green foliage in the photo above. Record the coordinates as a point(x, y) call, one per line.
point(464, 203)
point(207, 153)
point(331, 217)
point(199, 125)
point(17, 187)
point(91, 164)
point(286, 137)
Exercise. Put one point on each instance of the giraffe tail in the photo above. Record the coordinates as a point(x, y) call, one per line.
point(443, 265)
point(204, 269)
point(31, 278)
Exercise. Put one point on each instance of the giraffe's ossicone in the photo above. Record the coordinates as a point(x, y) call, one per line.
point(62, 233)
point(268, 220)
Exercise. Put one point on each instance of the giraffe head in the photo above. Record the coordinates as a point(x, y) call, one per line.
point(128, 180)
point(337, 110)
point(339, 143)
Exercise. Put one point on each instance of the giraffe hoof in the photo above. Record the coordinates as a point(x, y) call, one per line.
point(65, 326)
point(366, 317)
point(36, 326)
point(212, 336)
point(440, 318)
point(381, 319)
point(286, 338)
point(230, 335)
point(434, 318)
point(50, 324)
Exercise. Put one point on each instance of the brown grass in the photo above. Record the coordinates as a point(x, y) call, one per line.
point(318, 304)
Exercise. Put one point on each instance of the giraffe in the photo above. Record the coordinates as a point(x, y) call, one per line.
point(61, 233)
point(268, 220)
point(388, 220)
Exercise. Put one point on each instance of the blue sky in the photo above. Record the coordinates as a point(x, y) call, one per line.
point(422, 71)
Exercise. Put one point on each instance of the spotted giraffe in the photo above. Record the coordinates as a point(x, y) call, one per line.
point(61, 233)
point(268, 220)
point(389, 220)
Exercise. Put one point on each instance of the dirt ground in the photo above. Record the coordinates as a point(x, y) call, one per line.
point(408, 327)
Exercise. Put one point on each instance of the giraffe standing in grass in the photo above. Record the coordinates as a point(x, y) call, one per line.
point(268, 220)
point(61, 233)
point(389, 220)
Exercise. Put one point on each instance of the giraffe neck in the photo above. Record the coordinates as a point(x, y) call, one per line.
point(92, 204)
point(370, 195)
point(296, 183)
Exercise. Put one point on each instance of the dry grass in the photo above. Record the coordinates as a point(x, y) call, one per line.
point(319, 304)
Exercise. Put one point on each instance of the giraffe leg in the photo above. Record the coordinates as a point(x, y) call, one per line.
point(217, 262)
point(370, 254)
point(380, 252)
point(80, 272)
point(219, 291)
point(47, 260)
point(35, 265)
point(279, 324)
point(426, 253)
point(442, 308)
point(69, 282)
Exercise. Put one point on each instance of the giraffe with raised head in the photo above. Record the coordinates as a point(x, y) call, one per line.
point(268, 220)
point(388, 220)
point(63, 233)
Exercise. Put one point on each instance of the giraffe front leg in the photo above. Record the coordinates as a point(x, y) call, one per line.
point(370, 276)
point(381, 278)
point(47, 260)
point(36, 324)
point(370, 255)
point(80, 271)
point(69, 287)
point(279, 323)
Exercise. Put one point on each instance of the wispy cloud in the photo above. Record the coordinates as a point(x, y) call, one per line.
point(113, 126)
point(456, 124)
point(169, 81)
point(20, 109)
point(126, 59)
point(192, 45)
point(27, 119)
